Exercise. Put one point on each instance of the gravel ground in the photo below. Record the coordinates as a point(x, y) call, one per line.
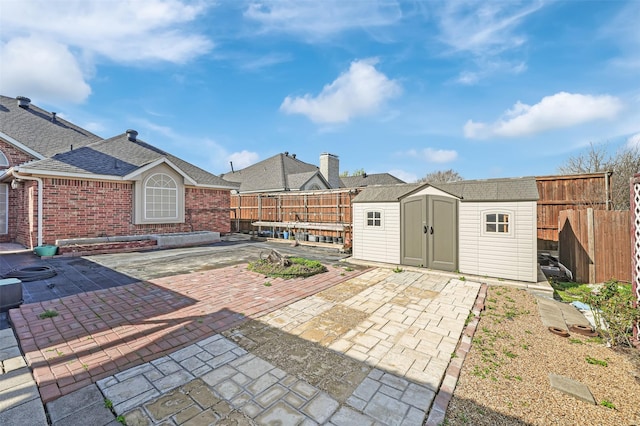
point(504, 379)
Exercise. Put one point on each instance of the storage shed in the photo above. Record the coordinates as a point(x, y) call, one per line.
point(481, 227)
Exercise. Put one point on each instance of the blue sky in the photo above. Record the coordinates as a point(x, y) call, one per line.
point(489, 89)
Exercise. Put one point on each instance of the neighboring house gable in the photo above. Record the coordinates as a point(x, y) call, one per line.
point(281, 172)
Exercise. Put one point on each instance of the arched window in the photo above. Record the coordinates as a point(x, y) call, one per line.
point(3, 160)
point(160, 197)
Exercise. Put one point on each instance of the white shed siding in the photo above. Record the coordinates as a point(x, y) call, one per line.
point(377, 244)
point(504, 256)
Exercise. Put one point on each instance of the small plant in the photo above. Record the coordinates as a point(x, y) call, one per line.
point(121, 420)
point(575, 341)
point(348, 269)
point(49, 313)
point(462, 278)
point(613, 312)
point(470, 318)
point(608, 404)
point(108, 404)
point(267, 284)
point(595, 361)
point(510, 354)
point(397, 269)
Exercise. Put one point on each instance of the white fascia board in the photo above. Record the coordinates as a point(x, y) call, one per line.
point(21, 146)
point(157, 162)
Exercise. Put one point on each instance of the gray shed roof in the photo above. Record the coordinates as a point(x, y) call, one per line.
point(119, 157)
point(369, 179)
point(280, 172)
point(510, 189)
point(34, 128)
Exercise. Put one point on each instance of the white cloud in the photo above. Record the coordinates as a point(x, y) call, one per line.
point(433, 155)
point(313, 20)
point(243, 159)
point(552, 112)
point(404, 175)
point(42, 69)
point(634, 141)
point(75, 35)
point(359, 91)
point(486, 30)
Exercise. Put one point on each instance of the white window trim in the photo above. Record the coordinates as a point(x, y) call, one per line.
point(511, 223)
point(4, 161)
point(381, 219)
point(4, 193)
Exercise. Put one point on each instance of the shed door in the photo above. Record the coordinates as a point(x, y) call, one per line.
point(413, 221)
point(443, 233)
point(429, 232)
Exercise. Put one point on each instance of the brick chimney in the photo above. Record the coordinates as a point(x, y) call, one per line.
point(330, 169)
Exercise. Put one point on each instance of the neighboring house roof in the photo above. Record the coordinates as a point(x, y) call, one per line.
point(278, 173)
point(511, 189)
point(121, 157)
point(35, 129)
point(369, 179)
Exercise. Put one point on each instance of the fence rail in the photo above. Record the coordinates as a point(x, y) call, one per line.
point(595, 244)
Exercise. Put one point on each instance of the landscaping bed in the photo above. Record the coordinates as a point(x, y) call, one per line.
point(505, 376)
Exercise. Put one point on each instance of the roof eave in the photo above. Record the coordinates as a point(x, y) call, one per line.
point(21, 146)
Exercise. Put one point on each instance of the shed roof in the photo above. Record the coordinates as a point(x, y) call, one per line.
point(510, 189)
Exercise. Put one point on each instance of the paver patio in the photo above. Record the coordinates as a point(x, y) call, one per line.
point(100, 333)
point(370, 350)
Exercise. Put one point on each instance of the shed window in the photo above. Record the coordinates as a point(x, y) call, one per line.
point(497, 223)
point(374, 218)
point(161, 197)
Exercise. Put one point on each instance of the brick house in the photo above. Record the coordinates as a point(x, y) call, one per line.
point(59, 181)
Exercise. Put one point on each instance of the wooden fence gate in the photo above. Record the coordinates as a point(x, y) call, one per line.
point(595, 244)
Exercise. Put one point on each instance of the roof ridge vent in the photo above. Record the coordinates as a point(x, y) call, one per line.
point(132, 135)
point(23, 102)
point(54, 119)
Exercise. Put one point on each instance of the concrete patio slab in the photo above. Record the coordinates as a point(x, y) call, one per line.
point(571, 387)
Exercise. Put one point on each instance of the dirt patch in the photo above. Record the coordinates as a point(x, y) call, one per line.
point(329, 371)
point(327, 327)
point(505, 377)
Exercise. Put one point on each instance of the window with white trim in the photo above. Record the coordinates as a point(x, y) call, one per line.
point(4, 162)
point(4, 208)
point(374, 218)
point(160, 197)
point(497, 223)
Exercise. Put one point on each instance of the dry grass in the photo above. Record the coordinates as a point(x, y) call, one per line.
point(504, 379)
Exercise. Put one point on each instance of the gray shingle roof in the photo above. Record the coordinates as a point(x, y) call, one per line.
point(514, 189)
point(369, 179)
point(385, 193)
point(34, 128)
point(118, 156)
point(280, 172)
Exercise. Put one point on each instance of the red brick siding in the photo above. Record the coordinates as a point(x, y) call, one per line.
point(18, 203)
point(84, 209)
point(13, 154)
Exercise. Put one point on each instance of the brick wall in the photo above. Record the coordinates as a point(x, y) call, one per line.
point(79, 208)
point(13, 154)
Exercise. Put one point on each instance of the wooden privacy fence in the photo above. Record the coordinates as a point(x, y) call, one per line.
point(569, 192)
point(326, 212)
point(595, 244)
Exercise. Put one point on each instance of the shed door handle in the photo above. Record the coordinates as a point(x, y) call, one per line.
point(431, 230)
point(424, 229)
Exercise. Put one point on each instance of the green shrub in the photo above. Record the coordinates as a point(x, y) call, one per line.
point(613, 311)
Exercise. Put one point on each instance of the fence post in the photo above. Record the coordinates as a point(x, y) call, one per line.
point(635, 250)
point(591, 242)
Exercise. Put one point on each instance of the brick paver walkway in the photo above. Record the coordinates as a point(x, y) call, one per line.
point(100, 333)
